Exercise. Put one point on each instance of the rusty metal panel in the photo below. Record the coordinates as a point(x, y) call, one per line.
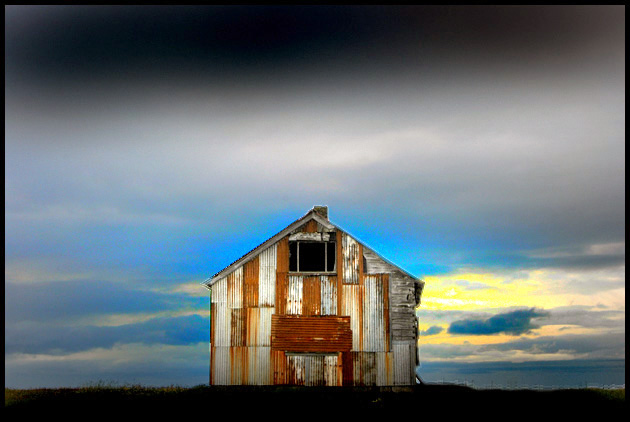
point(282, 255)
point(238, 332)
point(364, 368)
point(279, 367)
point(294, 295)
point(282, 287)
point(219, 291)
point(238, 365)
point(384, 368)
point(331, 370)
point(404, 363)
point(328, 295)
point(312, 370)
point(250, 283)
point(267, 276)
point(258, 330)
point(235, 288)
point(258, 365)
point(310, 227)
point(310, 334)
point(311, 296)
point(221, 324)
point(351, 259)
point(296, 369)
point(347, 369)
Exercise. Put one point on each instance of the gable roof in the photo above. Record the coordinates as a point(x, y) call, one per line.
point(312, 214)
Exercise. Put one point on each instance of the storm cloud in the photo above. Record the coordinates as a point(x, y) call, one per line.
point(514, 323)
point(431, 331)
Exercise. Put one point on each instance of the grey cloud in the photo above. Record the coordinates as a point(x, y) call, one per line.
point(515, 323)
point(61, 339)
point(607, 345)
point(600, 346)
point(67, 300)
point(185, 366)
point(431, 331)
point(586, 316)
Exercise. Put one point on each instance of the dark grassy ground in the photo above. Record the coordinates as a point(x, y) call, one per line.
point(315, 403)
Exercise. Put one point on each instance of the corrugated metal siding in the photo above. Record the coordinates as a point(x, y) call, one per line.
point(351, 259)
point(311, 296)
point(220, 372)
point(250, 282)
point(219, 291)
point(312, 370)
point(259, 365)
point(384, 368)
point(238, 332)
point(221, 324)
point(241, 366)
point(404, 362)
point(235, 288)
point(259, 326)
point(294, 295)
point(267, 276)
point(328, 295)
point(364, 368)
point(310, 334)
point(353, 307)
point(282, 295)
point(374, 336)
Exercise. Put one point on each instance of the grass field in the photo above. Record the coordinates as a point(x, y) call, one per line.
point(438, 400)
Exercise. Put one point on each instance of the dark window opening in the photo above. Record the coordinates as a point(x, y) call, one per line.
point(305, 256)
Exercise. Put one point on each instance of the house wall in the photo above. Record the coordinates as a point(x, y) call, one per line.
point(374, 295)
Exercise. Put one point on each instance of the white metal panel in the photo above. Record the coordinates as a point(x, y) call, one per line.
point(351, 259)
point(352, 306)
point(219, 291)
point(267, 276)
point(221, 367)
point(222, 324)
point(295, 294)
point(328, 295)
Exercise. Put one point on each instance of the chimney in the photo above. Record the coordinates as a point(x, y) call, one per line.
point(321, 210)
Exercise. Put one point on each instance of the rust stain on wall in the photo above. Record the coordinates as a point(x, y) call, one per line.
point(238, 335)
point(310, 334)
point(311, 296)
point(282, 281)
point(310, 227)
point(250, 283)
point(282, 255)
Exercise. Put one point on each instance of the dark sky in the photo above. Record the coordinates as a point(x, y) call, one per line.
point(481, 148)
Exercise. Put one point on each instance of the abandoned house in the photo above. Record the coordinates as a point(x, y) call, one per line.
point(313, 306)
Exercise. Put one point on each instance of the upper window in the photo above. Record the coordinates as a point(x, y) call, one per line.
point(306, 256)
